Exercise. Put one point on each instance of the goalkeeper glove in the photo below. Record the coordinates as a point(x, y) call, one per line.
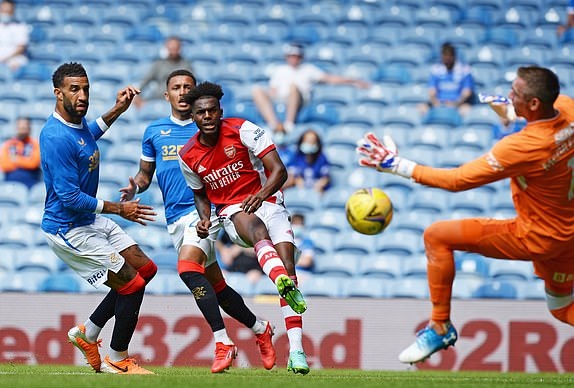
point(383, 156)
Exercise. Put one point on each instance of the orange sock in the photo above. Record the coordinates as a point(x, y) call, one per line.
point(440, 272)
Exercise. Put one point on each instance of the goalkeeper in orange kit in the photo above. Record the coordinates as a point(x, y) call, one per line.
point(539, 160)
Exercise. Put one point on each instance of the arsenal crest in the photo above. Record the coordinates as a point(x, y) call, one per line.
point(229, 151)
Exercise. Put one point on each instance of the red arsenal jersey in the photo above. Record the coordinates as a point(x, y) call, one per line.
point(232, 169)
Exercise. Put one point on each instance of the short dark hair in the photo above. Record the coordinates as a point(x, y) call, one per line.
point(204, 89)
point(175, 73)
point(448, 48)
point(541, 83)
point(71, 69)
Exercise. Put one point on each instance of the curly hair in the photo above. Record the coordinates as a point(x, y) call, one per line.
point(72, 69)
point(203, 89)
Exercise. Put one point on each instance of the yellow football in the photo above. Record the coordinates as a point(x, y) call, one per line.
point(369, 210)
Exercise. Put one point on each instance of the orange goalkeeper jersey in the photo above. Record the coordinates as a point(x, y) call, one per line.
point(539, 159)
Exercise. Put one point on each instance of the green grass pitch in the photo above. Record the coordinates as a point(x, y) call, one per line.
point(48, 376)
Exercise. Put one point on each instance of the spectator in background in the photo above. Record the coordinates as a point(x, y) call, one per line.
point(309, 167)
point(170, 60)
point(451, 83)
point(13, 37)
point(240, 259)
point(569, 19)
point(304, 263)
point(20, 155)
point(292, 85)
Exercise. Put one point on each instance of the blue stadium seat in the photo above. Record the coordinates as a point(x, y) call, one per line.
point(543, 38)
point(150, 238)
point(401, 117)
point(435, 16)
point(158, 285)
point(355, 244)
point(18, 236)
point(471, 265)
point(477, 15)
point(510, 270)
point(502, 37)
point(473, 201)
point(14, 194)
point(446, 116)
point(394, 16)
point(415, 267)
point(341, 156)
point(517, 18)
point(365, 288)
point(478, 138)
point(337, 197)
point(7, 259)
point(61, 282)
point(301, 199)
point(33, 72)
point(322, 240)
point(240, 283)
point(481, 116)
point(465, 288)
point(457, 157)
point(36, 259)
point(361, 177)
point(502, 202)
point(29, 281)
point(399, 243)
point(166, 260)
point(327, 113)
point(429, 136)
point(333, 220)
point(414, 221)
point(433, 201)
point(328, 286)
point(415, 288)
point(495, 289)
point(412, 94)
point(392, 75)
point(381, 266)
point(144, 33)
point(534, 290)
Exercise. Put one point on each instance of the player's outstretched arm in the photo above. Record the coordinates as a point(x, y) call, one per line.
point(383, 156)
point(131, 210)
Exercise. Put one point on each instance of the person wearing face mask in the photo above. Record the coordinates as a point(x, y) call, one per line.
point(304, 261)
point(20, 156)
point(14, 37)
point(309, 167)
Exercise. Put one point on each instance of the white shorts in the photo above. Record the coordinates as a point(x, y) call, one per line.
point(93, 249)
point(183, 232)
point(275, 217)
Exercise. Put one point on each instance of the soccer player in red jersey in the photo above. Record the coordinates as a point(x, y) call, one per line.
point(233, 164)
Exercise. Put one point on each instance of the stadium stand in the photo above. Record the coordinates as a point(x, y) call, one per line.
point(391, 43)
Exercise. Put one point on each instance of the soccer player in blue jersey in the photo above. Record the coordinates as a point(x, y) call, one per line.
point(92, 245)
point(197, 265)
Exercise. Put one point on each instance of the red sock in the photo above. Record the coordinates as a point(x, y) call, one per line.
point(269, 259)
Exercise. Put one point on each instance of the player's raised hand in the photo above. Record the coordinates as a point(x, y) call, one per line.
point(383, 155)
point(128, 192)
point(376, 154)
point(136, 212)
point(125, 97)
point(202, 228)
